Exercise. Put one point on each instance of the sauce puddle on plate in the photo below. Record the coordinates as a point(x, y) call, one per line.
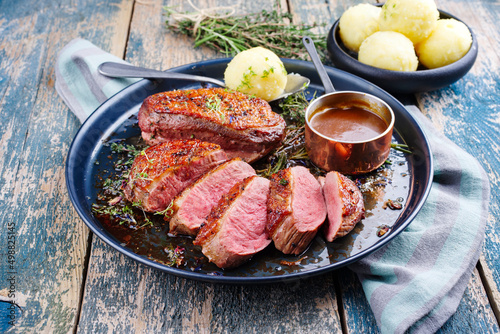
point(348, 124)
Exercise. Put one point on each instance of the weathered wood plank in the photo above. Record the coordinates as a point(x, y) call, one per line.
point(468, 113)
point(122, 296)
point(474, 314)
point(35, 133)
point(126, 297)
point(356, 311)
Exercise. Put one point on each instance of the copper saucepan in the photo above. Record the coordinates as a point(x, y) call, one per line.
point(346, 157)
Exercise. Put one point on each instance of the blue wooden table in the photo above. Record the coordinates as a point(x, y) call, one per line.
point(56, 276)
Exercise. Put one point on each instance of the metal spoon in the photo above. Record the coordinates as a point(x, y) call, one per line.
point(325, 79)
point(295, 82)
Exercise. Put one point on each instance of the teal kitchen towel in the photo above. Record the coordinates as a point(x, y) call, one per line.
point(414, 283)
point(78, 82)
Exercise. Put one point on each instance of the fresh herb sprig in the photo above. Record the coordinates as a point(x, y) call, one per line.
point(214, 104)
point(117, 209)
point(233, 34)
point(167, 213)
point(292, 148)
point(401, 147)
point(294, 107)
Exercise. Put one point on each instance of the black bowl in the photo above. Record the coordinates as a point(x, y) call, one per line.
point(397, 82)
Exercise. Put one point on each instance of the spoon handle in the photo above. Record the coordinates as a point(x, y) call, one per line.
point(118, 70)
point(311, 49)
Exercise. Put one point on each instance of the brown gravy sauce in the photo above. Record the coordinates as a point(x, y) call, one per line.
point(348, 124)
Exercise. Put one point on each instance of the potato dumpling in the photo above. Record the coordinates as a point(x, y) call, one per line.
point(257, 71)
point(388, 50)
point(413, 18)
point(450, 41)
point(357, 23)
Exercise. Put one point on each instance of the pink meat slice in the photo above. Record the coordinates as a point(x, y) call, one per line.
point(345, 205)
point(193, 205)
point(296, 209)
point(235, 227)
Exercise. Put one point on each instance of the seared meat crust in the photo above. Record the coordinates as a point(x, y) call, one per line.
point(353, 209)
point(279, 204)
point(243, 126)
point(162, 171)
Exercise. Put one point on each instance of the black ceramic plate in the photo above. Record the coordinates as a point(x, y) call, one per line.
point(407, 179)
point(421, 80)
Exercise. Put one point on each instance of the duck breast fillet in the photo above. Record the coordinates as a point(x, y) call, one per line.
point(236, 227)
point(193, 205)
point(296, 209)
point(162, 171)
point(243, 126)
point(345, 205)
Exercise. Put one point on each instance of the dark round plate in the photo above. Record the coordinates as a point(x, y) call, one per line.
point(397, 82)
point(408, 178)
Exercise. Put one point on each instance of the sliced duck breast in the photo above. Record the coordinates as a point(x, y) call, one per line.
point(296, 209)
point(235, 228)
point(345, 205)
point(193, 205)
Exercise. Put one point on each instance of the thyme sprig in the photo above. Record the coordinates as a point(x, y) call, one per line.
point(167, 213)
point(401, 148)
point(214, 104)
point(235, 33)
point(118, 209)
point(117, 147)
point(292, 148)
point(294, 107)
point(277, 162)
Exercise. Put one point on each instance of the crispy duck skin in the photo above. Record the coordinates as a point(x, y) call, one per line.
point(162, 171)
point(279, 203)
point(243, 126)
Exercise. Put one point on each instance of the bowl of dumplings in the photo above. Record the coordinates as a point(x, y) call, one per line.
point(402, 46)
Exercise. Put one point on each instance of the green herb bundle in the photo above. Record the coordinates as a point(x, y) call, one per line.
point(233, 34)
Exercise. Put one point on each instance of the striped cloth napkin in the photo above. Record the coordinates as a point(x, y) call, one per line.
point(415, 282)
point(79, 84)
